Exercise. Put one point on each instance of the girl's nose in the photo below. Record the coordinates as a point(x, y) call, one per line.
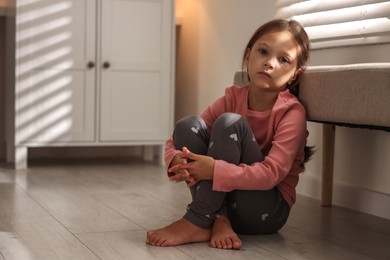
point(269, 64)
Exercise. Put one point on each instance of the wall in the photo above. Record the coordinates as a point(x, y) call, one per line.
point(211, 41)
point(187, 51)
point(212, 37)
point(2, 86)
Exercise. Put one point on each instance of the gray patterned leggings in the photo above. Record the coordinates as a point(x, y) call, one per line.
point(231, 139)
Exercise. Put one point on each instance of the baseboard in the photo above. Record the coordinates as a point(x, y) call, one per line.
point(84, 152)
point(355, 198)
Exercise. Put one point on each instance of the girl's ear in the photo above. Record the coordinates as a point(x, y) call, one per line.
point(294, 77)
point(247, 53)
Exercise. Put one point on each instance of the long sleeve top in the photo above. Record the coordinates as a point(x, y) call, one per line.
point(281, 134)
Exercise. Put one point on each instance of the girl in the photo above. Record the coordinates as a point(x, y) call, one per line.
point(241, 158)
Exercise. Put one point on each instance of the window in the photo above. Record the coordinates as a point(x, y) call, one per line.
point(332, 23)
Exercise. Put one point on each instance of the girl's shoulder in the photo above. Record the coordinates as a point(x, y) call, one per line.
point(287, 99)
point(236, 97)
point(236, 91)
point(288, 102)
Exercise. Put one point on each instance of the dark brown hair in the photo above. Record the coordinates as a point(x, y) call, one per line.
point(297, 31)
point(300, 36)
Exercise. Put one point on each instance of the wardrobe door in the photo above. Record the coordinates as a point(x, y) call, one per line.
point(55, 71)
point(136, 83)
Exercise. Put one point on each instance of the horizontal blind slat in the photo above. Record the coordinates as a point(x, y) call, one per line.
point(340, 23)
point(357, 29)
point(351, 42)
point(313, 6)
point(345, 15)
point(283, 3)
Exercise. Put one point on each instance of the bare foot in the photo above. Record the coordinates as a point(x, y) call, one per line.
point(223, 236)
point(178, 233)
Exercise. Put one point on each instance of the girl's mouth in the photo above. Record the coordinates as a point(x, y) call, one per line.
point(264, 74)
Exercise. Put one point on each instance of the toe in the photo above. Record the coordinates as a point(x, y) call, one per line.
point(237, 245)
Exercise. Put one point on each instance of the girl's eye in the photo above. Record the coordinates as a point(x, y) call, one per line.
point(263, 51)
point(284, 60)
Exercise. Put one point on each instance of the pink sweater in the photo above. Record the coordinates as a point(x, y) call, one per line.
point(281, 134)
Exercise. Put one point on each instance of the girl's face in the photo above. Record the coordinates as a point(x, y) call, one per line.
point(272, 61)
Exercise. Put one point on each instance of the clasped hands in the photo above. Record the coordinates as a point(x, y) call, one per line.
point(200, 168)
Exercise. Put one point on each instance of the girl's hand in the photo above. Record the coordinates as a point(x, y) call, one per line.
point(202, 167)
point(180, 175)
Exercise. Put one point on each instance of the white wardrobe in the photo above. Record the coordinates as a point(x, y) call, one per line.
point(92, 73)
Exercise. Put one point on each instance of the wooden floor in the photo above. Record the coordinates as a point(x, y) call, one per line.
point(102, 210)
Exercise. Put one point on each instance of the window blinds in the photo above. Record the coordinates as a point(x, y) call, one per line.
point(332, 23)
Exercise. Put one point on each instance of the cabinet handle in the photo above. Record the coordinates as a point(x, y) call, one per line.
point(106, 65)
point(91, 65)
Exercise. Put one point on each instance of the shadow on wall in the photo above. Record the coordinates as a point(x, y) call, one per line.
point(49, 73)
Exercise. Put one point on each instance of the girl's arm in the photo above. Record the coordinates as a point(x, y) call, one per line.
point(174, 158)
point(170, 153)
point(286, 153)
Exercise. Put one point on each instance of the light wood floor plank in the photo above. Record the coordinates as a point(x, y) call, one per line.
point(79, 212)
point(363, 220)
point(152, 183)
point(331, 227)
point(143, 210)
point(292, 243)
point(248, 251)
point(127, 245)
point(102, 209)
point(27, 231)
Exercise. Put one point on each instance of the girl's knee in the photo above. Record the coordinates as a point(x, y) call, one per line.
point(188, 122)
point(228, 120)
point(192, 132)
